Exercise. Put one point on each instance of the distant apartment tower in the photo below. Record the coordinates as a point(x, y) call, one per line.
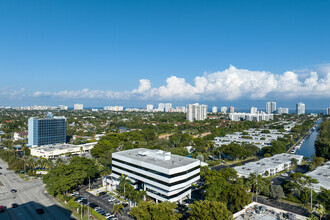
point(63, 107)
point(253, 110)
point(161, 107)
point(224, 110)
point(196, 112)
point(45, 131)
point(114, 108)
point(328, 111)
point(282, 111)
point(168, 107)
point(270, 107)
point(214, 109)
point(300, 108)
point(231, 109)
point(78, 106)
point(150, 107)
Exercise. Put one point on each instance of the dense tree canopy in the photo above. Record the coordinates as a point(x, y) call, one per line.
point(322, 143)
point(209, 210)
point(154, 211)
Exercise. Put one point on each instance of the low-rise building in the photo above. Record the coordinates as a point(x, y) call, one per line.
point(164, 176)
point(259, 116)
point(322, 175)
point(54, 151)
point(268, 166)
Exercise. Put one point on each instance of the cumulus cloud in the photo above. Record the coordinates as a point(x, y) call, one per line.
point(229, 84)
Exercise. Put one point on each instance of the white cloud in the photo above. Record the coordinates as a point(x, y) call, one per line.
point(229, 84)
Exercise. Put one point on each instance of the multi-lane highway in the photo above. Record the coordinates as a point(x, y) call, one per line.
point(29, 197)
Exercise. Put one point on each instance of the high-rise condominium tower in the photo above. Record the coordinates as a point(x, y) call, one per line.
point(300, 108)
point(196, 112)
point(270, 107)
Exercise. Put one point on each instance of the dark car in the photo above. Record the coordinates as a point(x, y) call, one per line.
point(40, 211)
point(13, 190)
point(92, 205)
point(2, 208)
point(0, 173)
point(14, 205)
point(102, 193)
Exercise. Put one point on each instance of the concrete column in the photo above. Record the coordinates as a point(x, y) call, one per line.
point(157, 201)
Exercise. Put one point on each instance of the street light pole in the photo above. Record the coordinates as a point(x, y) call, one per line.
point(311, 198)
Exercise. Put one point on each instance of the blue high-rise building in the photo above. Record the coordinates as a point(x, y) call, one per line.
point(49, 130)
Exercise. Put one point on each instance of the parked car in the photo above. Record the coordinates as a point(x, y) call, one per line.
point(92, 205)
point(102, 193)
point(14, 205)
point(13, 190)
point(2, 208)
point(97, 208)
point(40, 211)
point(284, 174)
point(111, 199)
point(109, 215)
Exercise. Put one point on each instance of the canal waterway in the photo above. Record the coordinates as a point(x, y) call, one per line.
point(307, 149)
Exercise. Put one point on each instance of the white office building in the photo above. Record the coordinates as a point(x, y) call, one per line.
point(57, 150)
point(214, 109)
point(282, 111)
point(196, 112)
point(300, 108)
point(268, 166)
point(328, 111)
point(164, 176)
point(253, 110)
point(270, 107)
point(78, 106)
point(223, 109)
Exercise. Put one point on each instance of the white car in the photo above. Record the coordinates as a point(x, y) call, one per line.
point(109, 215)
point(284, 174)
point(111, 199)
point(97, 208)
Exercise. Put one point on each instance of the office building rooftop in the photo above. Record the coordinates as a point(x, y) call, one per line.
point(155, 157)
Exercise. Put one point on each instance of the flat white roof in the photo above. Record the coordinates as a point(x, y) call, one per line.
point(155, 157)
point(322, 175)
point(49, 148)
point(266, 163)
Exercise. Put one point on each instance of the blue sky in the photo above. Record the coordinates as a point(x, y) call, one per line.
point(135, 52)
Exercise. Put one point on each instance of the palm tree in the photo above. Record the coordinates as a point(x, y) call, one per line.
point(124, 182)
point(118, 208)
point(320, 210)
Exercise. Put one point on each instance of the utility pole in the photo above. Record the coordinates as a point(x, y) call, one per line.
point(81, 211)
point(311, 198)
point(88, 207)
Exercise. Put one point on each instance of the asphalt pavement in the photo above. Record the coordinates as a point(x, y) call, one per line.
point(29, 196)
point(282, 205)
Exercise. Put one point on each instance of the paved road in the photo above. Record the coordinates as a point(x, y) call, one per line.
point(29, 196)
point(282, 205)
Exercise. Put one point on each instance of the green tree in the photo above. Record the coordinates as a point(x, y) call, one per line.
point(209, 210)
point(117, 208)
point(276, 192)
point(318, 161)
point(154, 211)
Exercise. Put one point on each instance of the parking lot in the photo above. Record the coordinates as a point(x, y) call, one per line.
point(103, 202)
point(29, 196)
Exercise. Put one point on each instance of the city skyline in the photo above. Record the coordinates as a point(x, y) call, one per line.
point(91, 53)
